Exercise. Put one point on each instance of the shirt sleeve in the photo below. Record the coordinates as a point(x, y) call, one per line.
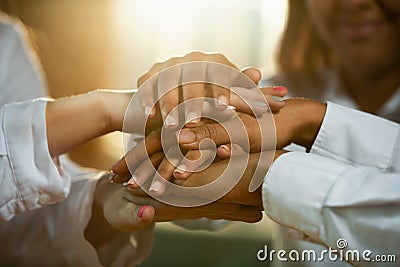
point(328, 200)
point(21, 73)
point(30, 177)
point(57, 231)
point(358, 138)
point(348, 186)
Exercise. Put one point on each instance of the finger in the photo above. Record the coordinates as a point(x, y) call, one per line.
point(147, 85)
point(254, 74)
point(230, 150)
point(145, 215)
point(169, 112)
point(193, 78)
point(256, 100)
point(221, 95)
point(275, 102)
point(144, 171)
point(249, 100)
point(194, 161)
point(119, 178)
point(137, 192)
point(193, 97)
point(219, 78)
point(130, 217)
point(274, 90)
point(220, 133)
point(274, 96)
point(168, 92)
point(165, 171)
point(165, 212)
point(150, 145)
point(244, 213)
point(190, 138)
point(147, 97)
point(146, 76)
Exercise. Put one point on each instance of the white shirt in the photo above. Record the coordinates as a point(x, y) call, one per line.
point(30, 178)
point(54, 234)
point(348, 186)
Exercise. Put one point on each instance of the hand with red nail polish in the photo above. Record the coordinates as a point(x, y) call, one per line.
point(162, 74)
point(116, 209)
point(216, 210)
point(113, 212)
point(238, 195)
point(159, 98)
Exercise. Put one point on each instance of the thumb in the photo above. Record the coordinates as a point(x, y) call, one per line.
point(233, 131)
point(130, 218)
point(191, 138)
point(253, 74)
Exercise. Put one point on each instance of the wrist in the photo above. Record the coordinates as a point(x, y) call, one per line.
point(313, 116)
point(114, 104)
point(298, 122)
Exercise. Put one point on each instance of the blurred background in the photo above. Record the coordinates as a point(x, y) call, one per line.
point(90, 44)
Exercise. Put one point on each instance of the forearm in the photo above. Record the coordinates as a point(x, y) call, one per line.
point(75, 120)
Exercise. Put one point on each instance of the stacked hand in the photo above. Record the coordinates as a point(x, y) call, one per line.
point(238, 204)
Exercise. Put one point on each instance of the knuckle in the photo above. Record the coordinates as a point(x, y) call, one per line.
point(164, 173)
point(188, 183)
point(193, 155)
point(220, 58)
point(141, 80)
point(194, 55)
point(206, 131)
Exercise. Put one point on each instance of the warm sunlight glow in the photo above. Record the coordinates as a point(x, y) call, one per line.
point(245, 31)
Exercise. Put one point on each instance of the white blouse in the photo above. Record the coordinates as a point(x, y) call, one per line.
point(30, 177)
point(54, 234)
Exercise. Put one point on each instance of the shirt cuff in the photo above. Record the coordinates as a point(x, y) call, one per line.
point(356, 138)
point(35, 178)
point(296, 188)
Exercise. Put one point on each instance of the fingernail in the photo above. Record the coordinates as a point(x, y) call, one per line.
point(222, 100)
point(180, 169)
point(170, 121)
point(260, 104)
point(279, 88)
point(148, 110)
point(186, 137)
point(141, 211)
point(277, 98)
point(131, 181)
point(112, 176)
point(155, 187)
point(231, 108)
point(225, 148)
point(192, 117)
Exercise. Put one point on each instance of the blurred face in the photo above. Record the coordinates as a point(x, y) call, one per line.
point(364, 34)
